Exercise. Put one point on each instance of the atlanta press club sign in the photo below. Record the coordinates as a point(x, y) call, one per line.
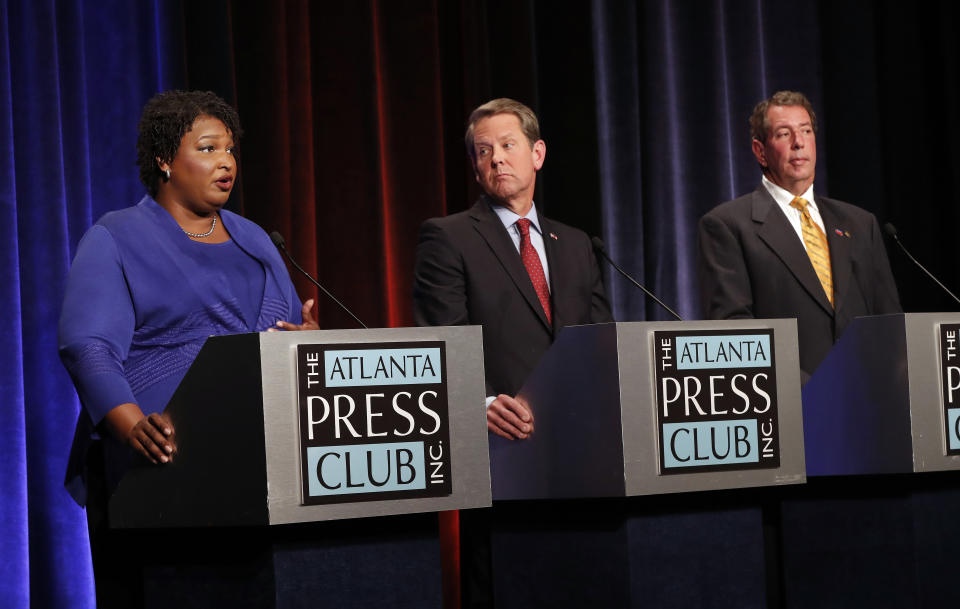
point(716, 400)
point(373, 421)
point(950, 384)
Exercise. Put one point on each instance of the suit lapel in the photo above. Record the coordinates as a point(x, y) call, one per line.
point(777, 232)
point(840, 260)
point(490, 227)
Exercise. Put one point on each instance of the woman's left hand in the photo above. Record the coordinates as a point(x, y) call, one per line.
point(309, 323)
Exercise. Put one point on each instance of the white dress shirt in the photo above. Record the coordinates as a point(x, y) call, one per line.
point(783, 198)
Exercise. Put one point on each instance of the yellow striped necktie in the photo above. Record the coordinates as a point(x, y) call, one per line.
point(817, 248)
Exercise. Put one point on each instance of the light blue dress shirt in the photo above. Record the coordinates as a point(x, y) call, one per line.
point(509, 219)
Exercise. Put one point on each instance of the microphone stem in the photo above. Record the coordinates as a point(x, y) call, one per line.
point(606, 256)
point(317, 283)
point(924, 269)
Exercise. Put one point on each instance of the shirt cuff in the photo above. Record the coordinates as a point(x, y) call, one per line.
point(490, 399)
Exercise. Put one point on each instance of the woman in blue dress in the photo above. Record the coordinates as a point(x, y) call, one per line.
point(149, 284)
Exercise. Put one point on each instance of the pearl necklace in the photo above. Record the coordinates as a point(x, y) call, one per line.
point(213, 225)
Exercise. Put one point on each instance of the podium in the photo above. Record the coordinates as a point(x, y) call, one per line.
point(880, 425)
point(604, 504)
point(877, 405)
point(309, 468)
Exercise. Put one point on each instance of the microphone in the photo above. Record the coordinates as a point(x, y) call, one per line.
point(891, 230)
point(281, 244)
point(601, 249)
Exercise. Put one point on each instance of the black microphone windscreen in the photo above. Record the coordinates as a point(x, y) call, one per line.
point(277, 239)
point(890, 229)
point(598, 244)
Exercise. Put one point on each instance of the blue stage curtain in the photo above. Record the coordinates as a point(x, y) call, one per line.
point(73, 78)
point(643, 104)
point(675, 85)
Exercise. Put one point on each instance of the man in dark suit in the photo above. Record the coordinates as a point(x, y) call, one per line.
point(783, 251)
point(503, 265)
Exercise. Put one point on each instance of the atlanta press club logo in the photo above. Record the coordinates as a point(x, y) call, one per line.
point(716, 400)
point(373, 421)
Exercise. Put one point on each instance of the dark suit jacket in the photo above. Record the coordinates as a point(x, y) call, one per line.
point(753, 265)
point(469, 272)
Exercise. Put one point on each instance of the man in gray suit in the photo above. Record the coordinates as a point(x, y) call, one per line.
point(784, 251)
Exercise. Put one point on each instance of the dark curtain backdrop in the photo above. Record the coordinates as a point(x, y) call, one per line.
point(354, 113)
point(73, 78)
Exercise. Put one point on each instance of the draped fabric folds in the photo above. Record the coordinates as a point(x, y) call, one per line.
point(74, 77)
point(679, 79)
point(354, 115)
point(675, 85)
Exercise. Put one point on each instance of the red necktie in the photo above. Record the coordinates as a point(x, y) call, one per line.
point(531, 260)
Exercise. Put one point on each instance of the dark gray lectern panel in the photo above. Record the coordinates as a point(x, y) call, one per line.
point(856, 405)
point(576, 450)
point(218, 417)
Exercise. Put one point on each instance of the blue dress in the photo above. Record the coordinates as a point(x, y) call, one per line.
point(140, 301)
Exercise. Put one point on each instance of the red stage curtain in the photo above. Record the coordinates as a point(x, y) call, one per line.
point(351, 142)
point(344, 150)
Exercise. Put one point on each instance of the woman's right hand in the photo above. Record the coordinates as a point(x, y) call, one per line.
point(309, 323)
point(152, 435)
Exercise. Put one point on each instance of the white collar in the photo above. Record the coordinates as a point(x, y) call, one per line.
point(784, 197)
point(509, 217)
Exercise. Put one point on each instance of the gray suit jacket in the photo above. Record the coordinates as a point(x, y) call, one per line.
point(753, 265)
point(469, 272)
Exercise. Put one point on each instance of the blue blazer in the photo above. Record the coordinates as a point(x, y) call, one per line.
point(140, 301)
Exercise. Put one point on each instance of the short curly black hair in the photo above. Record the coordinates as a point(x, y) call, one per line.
point(166, 118)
